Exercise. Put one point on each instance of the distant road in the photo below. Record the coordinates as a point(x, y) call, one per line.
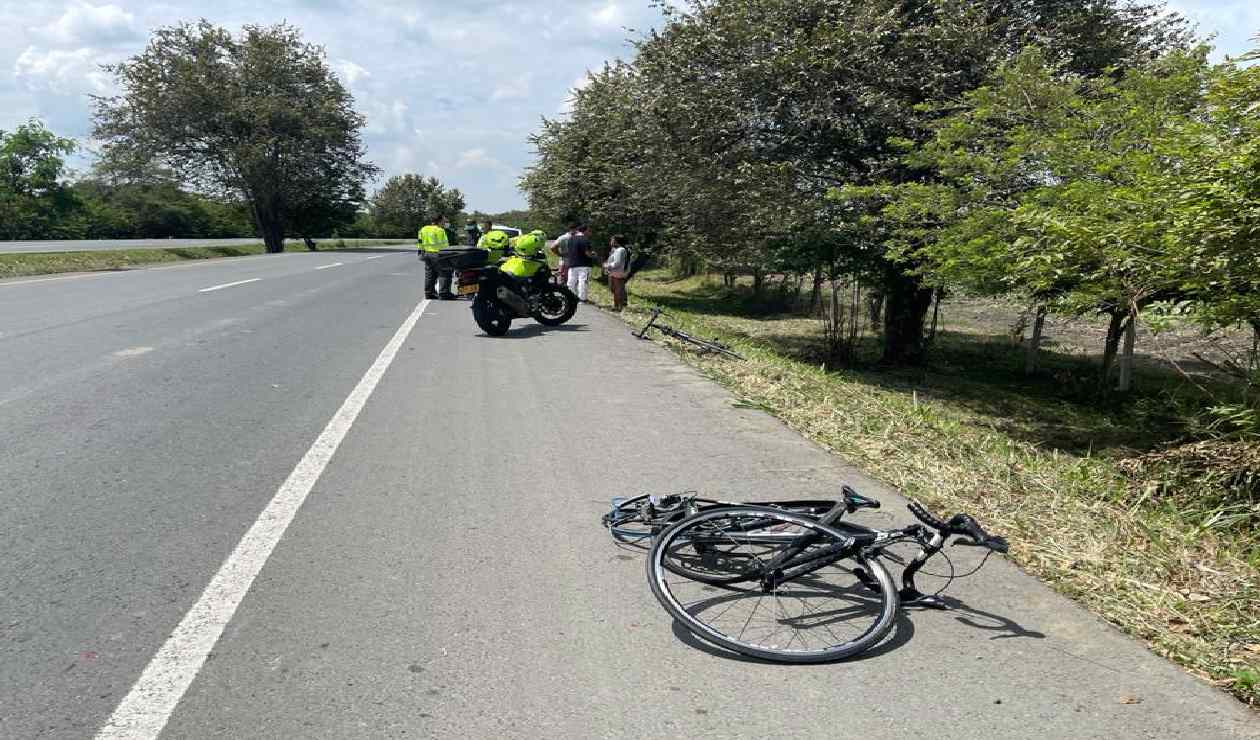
point(94, 245)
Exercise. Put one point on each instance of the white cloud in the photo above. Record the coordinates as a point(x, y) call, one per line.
point(63, 72)
point(436, 80)
point(477, 158)
point(608, 16)
point(514, 89)
point(350, 72)
point(85, 24)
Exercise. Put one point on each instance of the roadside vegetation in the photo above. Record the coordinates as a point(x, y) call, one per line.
point(833, 186)
point(26, 264)
point(1163, 545)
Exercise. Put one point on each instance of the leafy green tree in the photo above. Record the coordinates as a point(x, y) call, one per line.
point(407, 202)
point(730, 129)
point(1088, 194)
point(34, 203)
point(155, 206)
point(1215, 196)
point(260, 115)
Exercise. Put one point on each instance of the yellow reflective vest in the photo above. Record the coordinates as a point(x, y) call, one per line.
point(488, 242)
point(432, 238)
point(522, 267)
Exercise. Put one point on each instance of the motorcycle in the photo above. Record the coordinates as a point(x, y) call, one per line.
point(517, 288)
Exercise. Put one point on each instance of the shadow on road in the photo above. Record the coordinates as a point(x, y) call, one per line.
point(988, 621)
point(901, 633)
point(532, 330)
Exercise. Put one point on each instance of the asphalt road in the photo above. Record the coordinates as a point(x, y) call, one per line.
point(104, 245)
point(445, 574)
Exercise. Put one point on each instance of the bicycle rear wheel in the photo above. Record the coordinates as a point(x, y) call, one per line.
point(710, 572)
point(638, 518)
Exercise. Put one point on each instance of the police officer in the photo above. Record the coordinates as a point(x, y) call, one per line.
point(527, 256)
point(431, 241)
point(495, 243)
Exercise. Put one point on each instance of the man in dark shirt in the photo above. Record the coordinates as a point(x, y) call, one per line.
point(579, 259)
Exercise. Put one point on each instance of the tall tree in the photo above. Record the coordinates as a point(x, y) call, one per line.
point(407, 202)
point(735, 121)
point(261, 115)
point(34, 203)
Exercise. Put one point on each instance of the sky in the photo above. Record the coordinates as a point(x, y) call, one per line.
point(450, 89)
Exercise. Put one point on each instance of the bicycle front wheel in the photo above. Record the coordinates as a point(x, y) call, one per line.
point(713, 573)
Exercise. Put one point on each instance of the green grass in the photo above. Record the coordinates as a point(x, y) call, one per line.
point(47, 263)
point(1040, 461)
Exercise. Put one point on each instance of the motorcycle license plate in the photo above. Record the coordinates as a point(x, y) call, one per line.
point(468, 289)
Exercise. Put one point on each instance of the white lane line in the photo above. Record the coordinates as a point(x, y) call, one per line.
point(133, 351)
point(369, 259)
point(145, 710)
point(213, 288)
point(325, 267)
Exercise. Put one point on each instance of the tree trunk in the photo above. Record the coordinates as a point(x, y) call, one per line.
point(1253, 361)
point(1032, 355)
point(906, 306)
point(833, 321)
point(759, 281)
point(816, 293)
point(875, 308)
point(1126, 360)
point(272, 228)
point(936, 315)
point(1115, 329)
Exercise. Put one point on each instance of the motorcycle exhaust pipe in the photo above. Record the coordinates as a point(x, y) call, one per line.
point(517, 303)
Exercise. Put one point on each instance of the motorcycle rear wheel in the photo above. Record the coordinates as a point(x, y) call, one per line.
point(491, 317)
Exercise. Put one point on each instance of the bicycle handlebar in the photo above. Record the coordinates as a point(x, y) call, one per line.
point(962, 525)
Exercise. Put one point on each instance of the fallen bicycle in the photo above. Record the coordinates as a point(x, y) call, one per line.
point(703, 346)
point(789, 582)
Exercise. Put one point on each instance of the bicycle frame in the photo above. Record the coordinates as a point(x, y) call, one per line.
point(796, 560)
point(704, 345)
point(656, 314)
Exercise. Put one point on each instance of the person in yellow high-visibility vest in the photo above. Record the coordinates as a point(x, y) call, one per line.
point(431, 241)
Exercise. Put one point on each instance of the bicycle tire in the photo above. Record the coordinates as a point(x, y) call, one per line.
point(841, 598)
point(705, 345)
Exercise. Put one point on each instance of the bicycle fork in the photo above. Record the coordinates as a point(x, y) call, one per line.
point(910, 593)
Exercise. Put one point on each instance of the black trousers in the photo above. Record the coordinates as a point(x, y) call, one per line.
point(433, 277)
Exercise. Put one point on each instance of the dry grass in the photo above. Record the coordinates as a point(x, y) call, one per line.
point(25, 264)
point(1045, 472)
